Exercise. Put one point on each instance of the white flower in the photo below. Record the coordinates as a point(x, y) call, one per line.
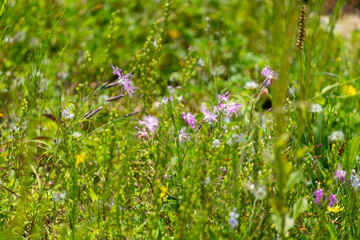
point(67, 115)
point(201, 62)
point(167, 99)
point(315, 108)
point(251, 85)
point(155, 44)
point(336, 136)
point(216, 143)
point(76, 134)
point(179, 99)
point(14, 128)
point(59, 196)
point(207, 181)
point(259, 192)
point(103, 97)
point(236, 138)
point(355, 182)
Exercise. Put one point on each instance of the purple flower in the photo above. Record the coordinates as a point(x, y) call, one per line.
point(319, 197)
point(332, 200)
point(233, 222)
point(124, 80)
point(189, 119)
point(208, 116)
point(150, 122)
point(167, 99)
point(340, 175)
point(220, 107)
point(183, 136)
point(223, 97)
point(232, 108)
point(319, 194)
point(224, 105)
point(270, 76)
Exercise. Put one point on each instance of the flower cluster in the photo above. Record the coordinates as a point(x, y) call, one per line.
point(320, 196)
point(315, 108)
point(337, 136)
point(340, 175)
point(189, 119)
point(229, 108)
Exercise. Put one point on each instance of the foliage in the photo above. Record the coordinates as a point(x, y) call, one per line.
point(213, 144)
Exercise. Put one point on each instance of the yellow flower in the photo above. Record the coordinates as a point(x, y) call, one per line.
point(164, 190)
point(173, 34)
point(80, 159)
point(349, 90)
point(335, 209)
point(1, 115)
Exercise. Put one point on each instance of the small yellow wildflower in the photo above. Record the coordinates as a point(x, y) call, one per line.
point(173, 33)
point(1, 115)
point(349, 90)
point(335, 209)
point(164, 190)
point(80, 158)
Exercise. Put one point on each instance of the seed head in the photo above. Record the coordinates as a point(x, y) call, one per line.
point(301, 37)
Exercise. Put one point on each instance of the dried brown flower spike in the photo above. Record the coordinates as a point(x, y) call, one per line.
point(301, 37)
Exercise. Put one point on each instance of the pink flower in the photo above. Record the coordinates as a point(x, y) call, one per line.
point(220, 107)
point(232, 108)
point(224, 105)
point(208, 116)
point(183, 136)
point(142, 134)
point(124, 80)
point(319, 197)
point(340, 175)
point(223, 97)
point(189, 119)
point(270, 76)
point(150, 123)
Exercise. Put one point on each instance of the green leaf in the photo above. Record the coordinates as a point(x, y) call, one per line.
point(2, 8)
point(94, 233)
point(37, 179)
point(288, 223)
point(294, 178)
point(321, 139)
point(352, 151)
point(300, 206)
point(92, 194)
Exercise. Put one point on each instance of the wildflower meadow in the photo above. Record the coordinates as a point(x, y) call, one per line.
point(179, 119)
